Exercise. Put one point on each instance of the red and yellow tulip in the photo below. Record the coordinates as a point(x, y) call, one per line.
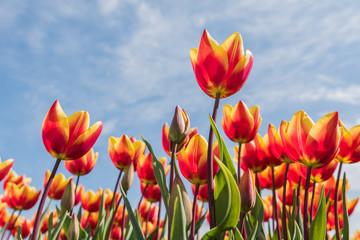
point(121, 151)
point(83, 165)
point(68, 138)
point(241, 124)
point(145, 170)
point(5, 167)
point(57, 186)
point(349, 148)
point(221, 69)
point(21, 197)
point(91, 201)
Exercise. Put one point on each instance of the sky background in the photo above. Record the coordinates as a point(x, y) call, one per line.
point(127, 64)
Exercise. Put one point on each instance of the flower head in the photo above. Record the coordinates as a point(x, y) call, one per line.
point(21, 197)
point(121, 151)
point(221, 69)
point(70, 137)
point(83, 165)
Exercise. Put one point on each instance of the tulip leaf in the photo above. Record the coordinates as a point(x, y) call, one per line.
point(178, 226)
point(19, 237)
point(227, 202)
point(318, 226)
point(58, 227)
point(223, 152)
point(254, 231)
point(345, 211)
point(199, 222)
point(133, 219)
point(236, 233)
point(160, 176)
point(297, 233)
point(50, 223)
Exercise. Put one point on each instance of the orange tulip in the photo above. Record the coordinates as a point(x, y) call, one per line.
point(221, 69)
point(289, 197)
point(265, 177)
point(331, 216)
point(148, 211)
point(276, 145)
point(12, 177)
point(349, 148)
point(263, 151)
point(91, 201)
point(203, 192)
point(21, 197)
point(58, 185)
point(247, 191)
point(25, 227)
point(89, 219)
point(45, 222)
point(5, 167)
point(108, 195)
point(4, 216)
point(68, 138)
point(356, 235)
point(83, 165)
point(241, 124)
point(312, 145)
point(121, 151)
point(268, 207)
point(152, 193)
point(119, 215)
point(193, 160)
point(145, 170)
point(139, 147)
point(115, 233)
point(250, 157)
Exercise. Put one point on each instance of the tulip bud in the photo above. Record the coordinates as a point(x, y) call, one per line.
point(247, 191)
point(180, 126)
point(68, 198)
point(73, 231)
point(128, 178)
point(185, 198)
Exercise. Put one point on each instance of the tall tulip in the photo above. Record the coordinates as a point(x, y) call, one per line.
point(312, 145)
point(21, 197)
point(65, 138)
point(220, 70)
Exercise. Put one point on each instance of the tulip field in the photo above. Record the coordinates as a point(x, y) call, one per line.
point(287, 184)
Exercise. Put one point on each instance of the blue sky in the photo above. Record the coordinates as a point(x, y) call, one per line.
point(127, 64)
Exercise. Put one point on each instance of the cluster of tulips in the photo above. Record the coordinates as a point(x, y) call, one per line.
point(296, 162)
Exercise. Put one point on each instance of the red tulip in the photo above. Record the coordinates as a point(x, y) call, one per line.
point(57, 186)
point(121, 151)
point(349, 148)
point(250, 158)
point(83, 165)
point(68, 138)
point(91, 201)
point(21, 197)
point(221, 69)
point(145, 170)
point(5, 167)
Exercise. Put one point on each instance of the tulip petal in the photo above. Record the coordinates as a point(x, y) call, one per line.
point(78, 123)
point(84, 142)
point(193, 56)
point(233, 45)
point(55, 130)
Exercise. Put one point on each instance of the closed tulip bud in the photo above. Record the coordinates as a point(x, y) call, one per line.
point(247, 191)
point(73, 231)
point(68, 198)
point(128, 178)
point(185, 198)
point(180, 126)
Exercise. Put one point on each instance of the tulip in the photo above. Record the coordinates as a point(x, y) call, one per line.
point(247, 191)
point(89, 219)
point(4, 216)
point(119, 215)
point(116, 232)
point(121, 151)
point(221, 69)
point(12, 177)
point(128, 178)
point(349, 147)
point(321, 174)
point(145, 170)
point(83, 165)
point(180, 126)
point(57, 187)
point(108, 197)
point(68, 198)
point(21, 197)
point(241, 124)
point(192, 160)
point(250, 158)
point(152, 193)
point(5, 167)
point(73, 230)
point(45, 223)
point(70, 137)
point(203, 192)
point(91, 201)
point(139, 147)
point(25, 227)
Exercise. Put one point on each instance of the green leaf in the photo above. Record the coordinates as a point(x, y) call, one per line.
point(178, 223)
point(297, 233)
point(253, 234)
point(19, 237)
point(345, 228)
point(199, 222)
point(318, 226)
point(58, 227)
point(227, 202)
point(223, 152)
point(50, 223)
point(237, 235)
point(160, 176)
point(134, 222)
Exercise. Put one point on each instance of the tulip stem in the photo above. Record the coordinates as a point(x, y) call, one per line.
point(239, 164)
point(210, 169)
point(192, 232)
point(115, 189)
point(147, 220)
point(158, 221)
point(312, 202)
point(7, 225)
point(337, 223)
point(275, 213)
point(201, 209)
point(142, 196)
point(257, 183)
point(76, 186)
point(284, 204)
point(122, 221)
point(172, 166)
point(112, 219)
point(42, 201)
point(306, 204)
point(241, 223)
point(298, 196)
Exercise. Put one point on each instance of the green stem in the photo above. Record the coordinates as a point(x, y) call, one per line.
point(306, 205)
point(42, 201)
point(337, 223)
point(239, 165)
point(210, 169)
point(192, 231)
point(142, 196)
point(172, 166)
point(312, 202)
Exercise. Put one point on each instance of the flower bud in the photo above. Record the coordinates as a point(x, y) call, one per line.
point(73, 231)
point(247, 191)
point(180, 126)
point(68, 198)
point(185, 198)
point(128, 178)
